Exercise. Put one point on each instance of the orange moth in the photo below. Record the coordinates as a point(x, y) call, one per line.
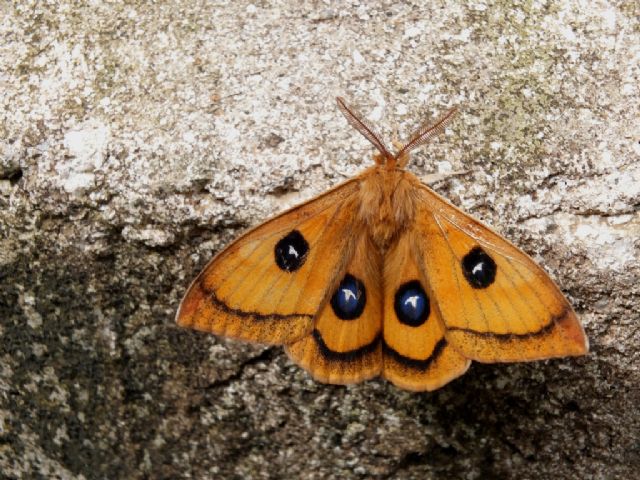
point(382, 276)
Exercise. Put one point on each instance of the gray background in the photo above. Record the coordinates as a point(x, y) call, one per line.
point(138, 138)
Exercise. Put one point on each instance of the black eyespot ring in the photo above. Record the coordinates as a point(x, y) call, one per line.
point(349, 299)
point(291, 251)
point(479, 268)
point(412, 304)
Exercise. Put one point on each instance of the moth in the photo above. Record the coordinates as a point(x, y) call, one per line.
point(380, 276)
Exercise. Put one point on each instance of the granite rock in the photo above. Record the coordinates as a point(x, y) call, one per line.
point(138, 138)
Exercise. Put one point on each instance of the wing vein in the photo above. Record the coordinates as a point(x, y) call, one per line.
point(455, 271)
point(259, 242)
point(268, 266)
point(544, 305)
point(490, 295)
point(322, 236)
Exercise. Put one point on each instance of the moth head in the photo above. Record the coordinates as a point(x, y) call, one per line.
point(421, 136)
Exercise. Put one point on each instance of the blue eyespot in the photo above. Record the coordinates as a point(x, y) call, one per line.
point(349, 299)
point(412, 304)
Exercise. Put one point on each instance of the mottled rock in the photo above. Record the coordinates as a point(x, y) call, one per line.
point(138, 138)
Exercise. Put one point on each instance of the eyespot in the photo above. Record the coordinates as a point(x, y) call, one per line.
point(412, 304)
point(291, 251)
point(349, 299)
point(479, 268)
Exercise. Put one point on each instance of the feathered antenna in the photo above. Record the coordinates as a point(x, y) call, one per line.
point(425, 133)
point(365, 128)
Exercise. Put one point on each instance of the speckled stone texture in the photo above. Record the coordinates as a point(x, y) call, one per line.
point(138, 138)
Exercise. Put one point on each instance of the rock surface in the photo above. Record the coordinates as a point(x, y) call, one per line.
point(138, 138)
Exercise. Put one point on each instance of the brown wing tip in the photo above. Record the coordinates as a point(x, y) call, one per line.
point(577, 342)
point(189, 306)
